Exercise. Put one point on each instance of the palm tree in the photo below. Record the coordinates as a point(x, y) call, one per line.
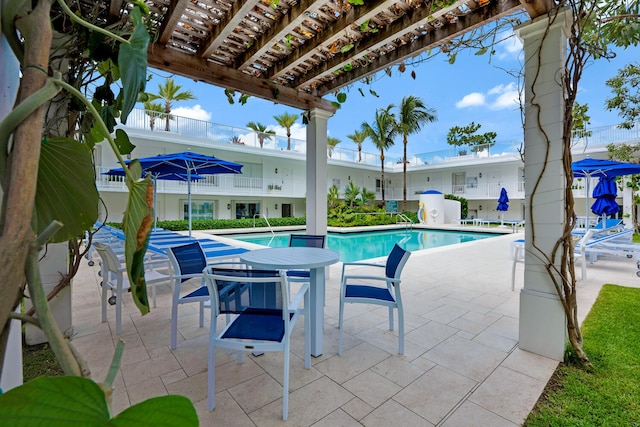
point(367, 196)
point(262, 131)
point(153, 110)
point(381, 133)
point(287, 120)
point(169, 92)
point(331, 143)
point(412, 114)
point(333, 196)
point(358, 137)
point(352, 194)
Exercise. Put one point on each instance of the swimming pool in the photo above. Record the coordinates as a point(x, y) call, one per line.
point(372, 244)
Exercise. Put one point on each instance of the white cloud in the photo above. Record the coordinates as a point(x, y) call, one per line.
point(195, 112)
point(507, 96)
point(474, 99)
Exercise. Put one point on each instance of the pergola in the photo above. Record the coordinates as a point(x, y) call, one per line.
point(295, 52)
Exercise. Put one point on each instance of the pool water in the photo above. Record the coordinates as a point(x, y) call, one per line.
point(372, 244)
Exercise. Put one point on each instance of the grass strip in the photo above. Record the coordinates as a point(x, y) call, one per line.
point(609, 394)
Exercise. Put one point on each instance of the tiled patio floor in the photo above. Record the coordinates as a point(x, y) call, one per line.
point(461, 365)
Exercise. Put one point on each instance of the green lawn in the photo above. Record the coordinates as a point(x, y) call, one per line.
point(609, 394)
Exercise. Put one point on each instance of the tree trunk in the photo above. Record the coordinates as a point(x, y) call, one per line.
point(382, 175)
point(404, 174)
point(19, 184)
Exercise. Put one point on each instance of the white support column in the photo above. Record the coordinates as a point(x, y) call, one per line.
point(542, 318)
point(317, 171)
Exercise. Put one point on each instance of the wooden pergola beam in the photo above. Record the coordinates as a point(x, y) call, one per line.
point(171, 60)
point(330, 34)
point(176, 8)
point(235, 15)
point(402, 26)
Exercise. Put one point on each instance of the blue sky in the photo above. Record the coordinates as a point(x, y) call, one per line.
point(475, 88)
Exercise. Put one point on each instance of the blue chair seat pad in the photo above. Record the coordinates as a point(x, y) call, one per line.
point(372, 292)
point(257, 324)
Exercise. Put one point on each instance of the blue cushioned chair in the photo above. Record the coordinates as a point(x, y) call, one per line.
point(303, 240)
point(263, 322)
point(376, 289)
point(187, 262)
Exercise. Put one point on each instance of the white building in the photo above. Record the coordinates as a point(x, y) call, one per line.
point(273, 182)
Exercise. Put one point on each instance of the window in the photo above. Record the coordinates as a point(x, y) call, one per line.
point(200, 209)
point(472, 182)
point(458, 182)
point(247, 209)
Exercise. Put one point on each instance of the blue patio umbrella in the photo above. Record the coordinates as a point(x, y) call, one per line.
point(591, 168)
point(188, 163)
point(605, 193)
point(167, 176)
point(503, 205)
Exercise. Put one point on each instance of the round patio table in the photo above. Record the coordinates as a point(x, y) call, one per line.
point(296, 258)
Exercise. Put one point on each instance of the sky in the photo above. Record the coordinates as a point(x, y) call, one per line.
point(480, 89)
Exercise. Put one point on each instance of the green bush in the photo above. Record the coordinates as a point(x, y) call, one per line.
point(219, 224)
point(340, 216)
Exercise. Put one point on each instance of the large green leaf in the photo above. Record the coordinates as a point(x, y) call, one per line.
point(169, 411)
point(55, 401)
point(123, 142)
point(136, 224)
point(66, 189)
point(132, 62)
point(75, 401)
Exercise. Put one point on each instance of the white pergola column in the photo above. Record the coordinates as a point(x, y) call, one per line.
point(317, 171)
point(542, 319)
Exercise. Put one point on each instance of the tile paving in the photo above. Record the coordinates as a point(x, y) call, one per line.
point(461, 365)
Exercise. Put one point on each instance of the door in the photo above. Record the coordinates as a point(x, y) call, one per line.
point(286, 210)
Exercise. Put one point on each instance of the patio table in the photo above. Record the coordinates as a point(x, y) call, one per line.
point(297, 258)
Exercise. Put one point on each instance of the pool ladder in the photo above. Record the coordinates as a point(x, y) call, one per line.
point(268, 225)
point(403, 219)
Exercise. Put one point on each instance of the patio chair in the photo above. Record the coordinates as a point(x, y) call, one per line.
point(114, 278)
point(303, 240)
point(518, 250)
point(517, 256)
point(376, 289)
point(187, 262)
point(264, 321)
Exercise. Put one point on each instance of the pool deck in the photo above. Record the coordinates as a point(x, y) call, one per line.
point(461, 367)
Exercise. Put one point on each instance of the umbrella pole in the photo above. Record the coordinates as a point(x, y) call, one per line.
point(586, 204)
point(189, 197)
point(155, 194)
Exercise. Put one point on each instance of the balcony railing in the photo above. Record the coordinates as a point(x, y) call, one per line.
point(213, 184)
point(591, 138)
